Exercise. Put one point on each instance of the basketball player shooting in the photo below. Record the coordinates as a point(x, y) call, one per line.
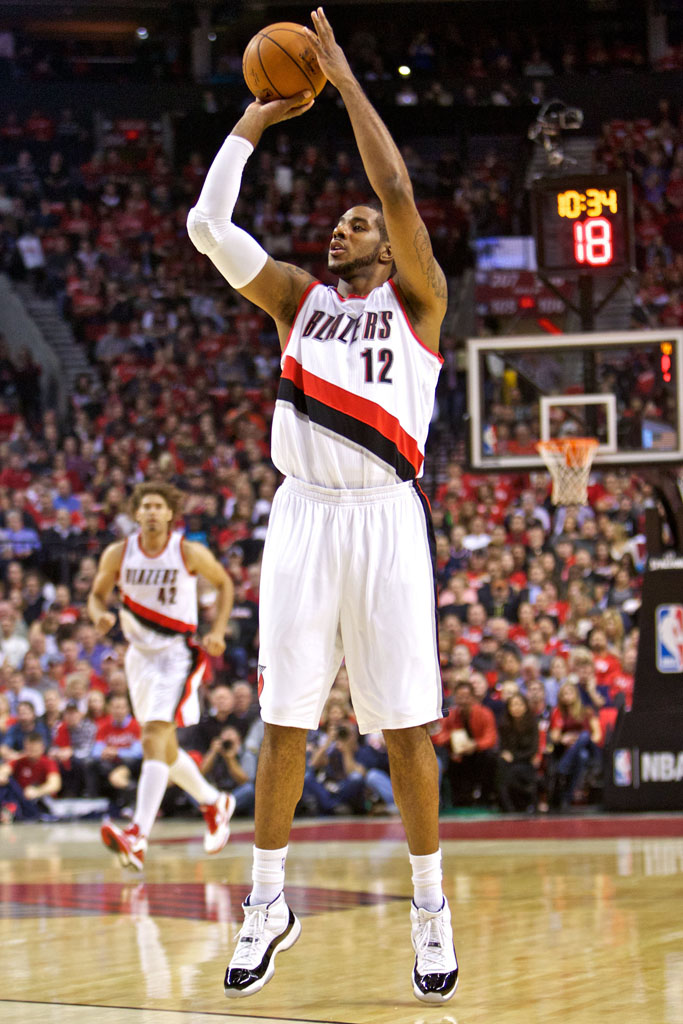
point(347, 564)
point(156, 571)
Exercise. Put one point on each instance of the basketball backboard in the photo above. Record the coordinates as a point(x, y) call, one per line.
point(624, 388)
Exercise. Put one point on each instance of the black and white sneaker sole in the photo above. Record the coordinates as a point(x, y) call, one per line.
point(286, 942)
point(433, 997)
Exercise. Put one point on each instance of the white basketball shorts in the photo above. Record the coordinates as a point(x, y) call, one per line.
point(349, 574)
point(163, 684)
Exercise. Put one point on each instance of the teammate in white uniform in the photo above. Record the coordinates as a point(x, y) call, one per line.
point(348, 560)
point(156, 572)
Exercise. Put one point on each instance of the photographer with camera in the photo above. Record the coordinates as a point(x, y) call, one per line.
point(334, 782)
point(230, 765)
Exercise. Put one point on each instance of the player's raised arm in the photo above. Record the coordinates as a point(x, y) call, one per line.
point(274, 286)
point(103, 586)
point(419, 277)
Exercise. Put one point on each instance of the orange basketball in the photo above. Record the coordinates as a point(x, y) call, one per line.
point(279, 62)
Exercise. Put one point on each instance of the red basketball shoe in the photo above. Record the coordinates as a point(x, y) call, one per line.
point(217, 817)
point(127, 843)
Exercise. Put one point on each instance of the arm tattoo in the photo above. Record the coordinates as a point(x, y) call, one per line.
point(428, 265)
point(289, 302)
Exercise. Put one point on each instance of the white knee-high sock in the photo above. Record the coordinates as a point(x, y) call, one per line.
point(427, 876)
point(268, 874)
point(151, 789)
point(184, 772)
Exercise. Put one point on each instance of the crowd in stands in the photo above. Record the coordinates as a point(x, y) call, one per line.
point(652, 150)
point(461, 61)
point(538, 605)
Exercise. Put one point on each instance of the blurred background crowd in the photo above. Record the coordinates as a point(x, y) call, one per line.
point(176, 378)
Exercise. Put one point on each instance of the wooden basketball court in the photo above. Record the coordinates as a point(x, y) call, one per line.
point(560, 921)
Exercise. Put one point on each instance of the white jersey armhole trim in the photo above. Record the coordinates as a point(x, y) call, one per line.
point(435, 355)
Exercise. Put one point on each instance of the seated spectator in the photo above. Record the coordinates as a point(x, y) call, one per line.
point(71, 748)
point(53, 711)
point(245, 708)
point(219, 716)
point(230, 766)
point(486, 658)
point(518, 756)
point(35, 602)
point(116, 755)
point(489, 696)
point(97, 706)
point(92, 648)
point(18, 693)
point(472, 737)
point(62, 547)
point(13, 644)
point(582, 673)
point(499, 599)
point(559, 670)
point(574, 737)
point(28, 779)
point(18, 541)
point(334, 778)
point(605, 662)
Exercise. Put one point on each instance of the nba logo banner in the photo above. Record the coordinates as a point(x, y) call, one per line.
point(669, 637)
point(623, 776)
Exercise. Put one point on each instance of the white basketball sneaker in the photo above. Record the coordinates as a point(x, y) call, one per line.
point(217, 817)
point(268, 928)
point(435, 974)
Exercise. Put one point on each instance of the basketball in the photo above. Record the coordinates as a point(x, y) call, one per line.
point(279, 62)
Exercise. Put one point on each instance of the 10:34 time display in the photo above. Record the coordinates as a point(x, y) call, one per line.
point(592, 202)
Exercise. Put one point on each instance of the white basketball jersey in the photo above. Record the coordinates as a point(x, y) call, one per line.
point(356, 393)
point(158, 594)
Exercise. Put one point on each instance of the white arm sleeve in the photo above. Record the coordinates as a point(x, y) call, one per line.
point(233, 252)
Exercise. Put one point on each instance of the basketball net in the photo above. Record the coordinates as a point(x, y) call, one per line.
point(569, 460)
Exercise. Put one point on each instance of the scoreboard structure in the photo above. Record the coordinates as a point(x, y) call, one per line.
point(583, 224)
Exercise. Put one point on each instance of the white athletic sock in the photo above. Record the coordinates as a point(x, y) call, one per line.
point(268, 874)
point(427, 876)
point(151, 789)
point(184, 772)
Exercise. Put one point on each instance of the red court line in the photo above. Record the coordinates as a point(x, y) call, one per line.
point(585, 827)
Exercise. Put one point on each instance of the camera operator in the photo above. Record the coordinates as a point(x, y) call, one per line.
point(230, 765)
point(334, 782)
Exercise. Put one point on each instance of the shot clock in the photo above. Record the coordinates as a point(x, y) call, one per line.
point(583, 223)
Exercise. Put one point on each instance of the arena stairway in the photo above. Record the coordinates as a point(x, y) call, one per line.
point(57, 333)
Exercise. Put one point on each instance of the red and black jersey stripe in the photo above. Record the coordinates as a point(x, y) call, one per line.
point(354, 418)
point(155, 620)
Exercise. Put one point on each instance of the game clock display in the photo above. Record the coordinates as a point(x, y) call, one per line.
point(584, 223)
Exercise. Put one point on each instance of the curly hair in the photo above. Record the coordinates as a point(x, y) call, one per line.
point(171, 495)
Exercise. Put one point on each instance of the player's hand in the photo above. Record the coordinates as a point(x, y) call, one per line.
point(274, 111)
point(31, 792)
point(105, 622)
point(331, 57)
point(214, 644)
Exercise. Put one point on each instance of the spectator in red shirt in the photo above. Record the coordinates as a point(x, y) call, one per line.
point(575, 735)
point(117, 754)
point(606, 663)
point(28, 779)
point(72, 746)
point(473, 738)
